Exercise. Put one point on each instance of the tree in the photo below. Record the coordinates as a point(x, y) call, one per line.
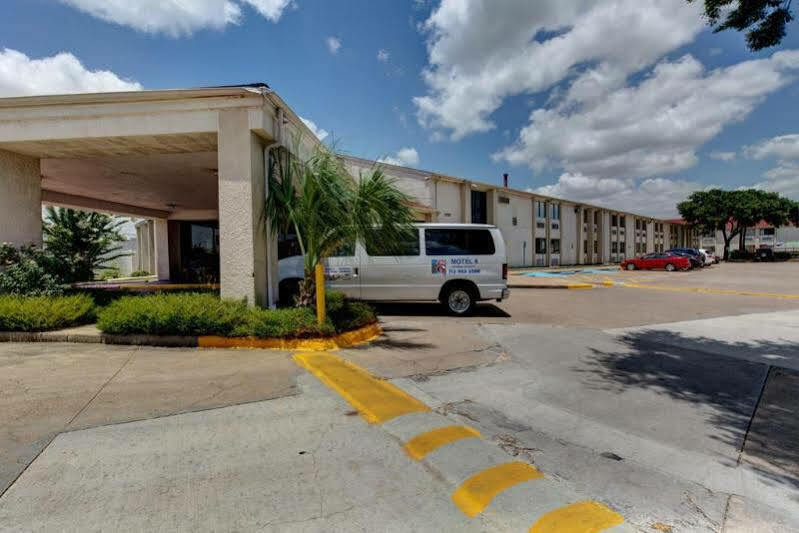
point(328, 209)
point(82, 241)
point(731, 212)
point(765, 20)
point(711, 211)
point(793, 214)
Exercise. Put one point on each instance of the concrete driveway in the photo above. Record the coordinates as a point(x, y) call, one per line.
point(676, 409)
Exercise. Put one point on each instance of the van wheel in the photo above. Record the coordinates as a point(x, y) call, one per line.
point(459, 301)
point(670, 267)
point(630, 266)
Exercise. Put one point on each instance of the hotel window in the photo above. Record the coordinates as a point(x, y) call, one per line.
point(555, 244)
point(622, 221)
point(614, 247)
point(555, 212)
point(479, 207)
point(585, 247)
point(540, 246)
point(767, 231)
point(585, 216)
point(596, 247)
point(540, 210)
point(596, 217)
point(614, 220)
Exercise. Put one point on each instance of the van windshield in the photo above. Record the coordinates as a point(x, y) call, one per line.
point(454, 241)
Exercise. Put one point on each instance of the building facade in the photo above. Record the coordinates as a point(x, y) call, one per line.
point(538, 230)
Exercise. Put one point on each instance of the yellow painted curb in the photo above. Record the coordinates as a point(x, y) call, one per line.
point(476, 493)
point(376, 400)
point(579, 286)
point(580, 517)
point(424, 443)
point(342, 340)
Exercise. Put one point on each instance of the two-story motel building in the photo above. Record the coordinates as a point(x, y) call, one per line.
point(192, 162)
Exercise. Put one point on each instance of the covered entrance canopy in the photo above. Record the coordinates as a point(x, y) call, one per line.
point(178, 155)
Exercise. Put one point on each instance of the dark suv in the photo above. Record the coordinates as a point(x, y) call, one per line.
point(697, 258)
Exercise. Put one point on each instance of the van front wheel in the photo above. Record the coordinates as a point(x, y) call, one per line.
point(459, 301)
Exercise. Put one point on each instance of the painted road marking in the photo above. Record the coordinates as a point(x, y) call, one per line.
point(707, 290)
point(580, 517)
point(424, 443)
point(375, 399)
point(476, 493)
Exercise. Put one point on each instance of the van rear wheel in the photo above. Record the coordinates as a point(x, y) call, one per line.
point(459, 301)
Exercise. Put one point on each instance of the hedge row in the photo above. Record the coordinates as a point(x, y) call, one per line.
point(180, 314)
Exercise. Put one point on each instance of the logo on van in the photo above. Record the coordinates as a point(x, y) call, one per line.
point(438, 266)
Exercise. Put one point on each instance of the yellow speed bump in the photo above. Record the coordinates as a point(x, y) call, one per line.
point(580, 517)
point(477, 492)
point(422, 444)
point(375, 399)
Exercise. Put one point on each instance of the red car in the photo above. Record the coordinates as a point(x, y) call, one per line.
point(664, 260)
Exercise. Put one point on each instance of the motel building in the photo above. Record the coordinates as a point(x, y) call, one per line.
point(191, 163)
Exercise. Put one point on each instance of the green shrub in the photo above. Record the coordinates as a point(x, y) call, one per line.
point(296, 322)
point(741, 255)
point(172, 314)
point(782, 256)
point(206, 314)
point(28, 271)
point(109, 273)
point(139, 274)
point(42, 313)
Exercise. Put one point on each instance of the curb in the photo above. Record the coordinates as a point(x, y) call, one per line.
point(342, 340)
point(571, 286)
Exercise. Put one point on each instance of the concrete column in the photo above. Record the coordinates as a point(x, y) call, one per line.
point(590, 236)
point(548, 231)
point(161, 248)
point(466, 202)
point(242, 239)
point(580, 257)
point(20, 199)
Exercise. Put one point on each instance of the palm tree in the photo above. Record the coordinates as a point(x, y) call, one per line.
point(82, 241)
point(327, 208)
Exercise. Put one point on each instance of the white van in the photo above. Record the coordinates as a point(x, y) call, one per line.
point(456, 264)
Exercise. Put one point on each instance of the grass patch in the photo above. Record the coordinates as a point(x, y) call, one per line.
point(44, 313)
point(205, 314)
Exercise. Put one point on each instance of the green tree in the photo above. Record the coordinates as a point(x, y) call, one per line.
point(763, 20)
point(755, 205)
point(712, 211)
point(328, 209)
point(82, 241)
point(793, 214)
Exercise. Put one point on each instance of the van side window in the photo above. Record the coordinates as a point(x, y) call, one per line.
point(380, 247)
point(458, 242)
point(345, 249)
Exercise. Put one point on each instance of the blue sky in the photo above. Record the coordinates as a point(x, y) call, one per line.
point(508, 87)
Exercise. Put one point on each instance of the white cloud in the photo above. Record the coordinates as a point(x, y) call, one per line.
point(482, 51)
point(177, 17)
point(319, 132)
point(782, 146)
point(652, 128)
point(62, 73)
point(654, 196)
point(333, 44)
point(405, 157)
point(383, 55)
point(784, 179)
point(722, 156)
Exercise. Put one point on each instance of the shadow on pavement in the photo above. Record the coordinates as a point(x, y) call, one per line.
point(753, 410)
point(434, 310)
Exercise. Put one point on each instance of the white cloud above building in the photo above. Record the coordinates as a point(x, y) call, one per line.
point(404, 157)
point(61, 73)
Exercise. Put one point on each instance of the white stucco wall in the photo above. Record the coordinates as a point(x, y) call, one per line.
point(516, 236)
point(20, 199)
point(568, 235)
point(604, 232)
point(629, 231)
point(415, 183)
point(650, 237)
point(448, 201)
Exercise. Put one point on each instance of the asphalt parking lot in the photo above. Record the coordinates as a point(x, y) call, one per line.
point(674, 407)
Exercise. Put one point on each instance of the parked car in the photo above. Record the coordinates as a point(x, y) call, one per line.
point(764, 254)
point(661, 260)
point(456, 264)
point(698, 257)
point(710, 257)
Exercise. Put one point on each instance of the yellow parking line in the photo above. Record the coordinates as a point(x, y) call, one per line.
point(477, 492)
point(424, 443)
point(580, 517)
point(375, 399)
point(707, 290)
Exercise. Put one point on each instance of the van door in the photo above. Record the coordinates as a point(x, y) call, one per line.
point(396, 273)
point(343, 271)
